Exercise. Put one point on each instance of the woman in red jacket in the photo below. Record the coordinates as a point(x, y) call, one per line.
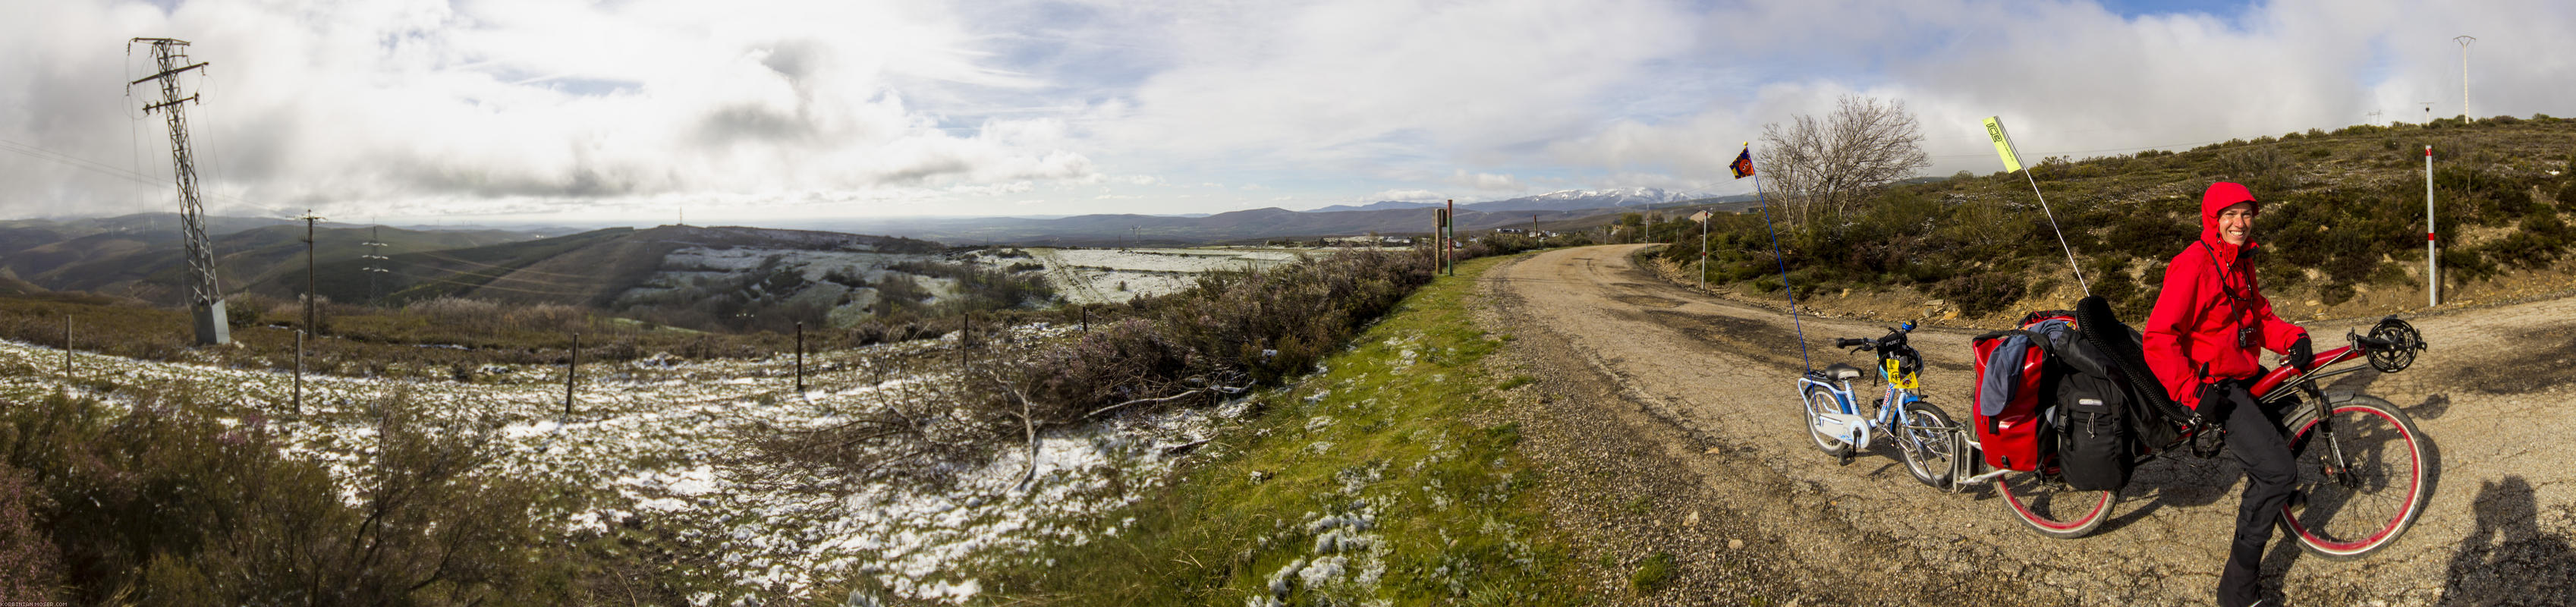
point(2202, 341)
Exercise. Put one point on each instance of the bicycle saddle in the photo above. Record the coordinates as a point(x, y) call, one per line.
point(1839, 371)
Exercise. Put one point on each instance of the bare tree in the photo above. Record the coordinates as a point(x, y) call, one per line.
point(1821, 168)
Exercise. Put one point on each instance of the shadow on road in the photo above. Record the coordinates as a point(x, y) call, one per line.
point(2508, 559)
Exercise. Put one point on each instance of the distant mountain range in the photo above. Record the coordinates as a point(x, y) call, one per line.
point(139, 255)
point(1561, 200)
point(1255, 225)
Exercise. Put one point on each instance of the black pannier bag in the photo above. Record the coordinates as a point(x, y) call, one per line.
point(2114, 408)
point(2095, 451)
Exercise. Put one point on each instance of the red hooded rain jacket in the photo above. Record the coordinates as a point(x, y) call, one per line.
point(2209, 293)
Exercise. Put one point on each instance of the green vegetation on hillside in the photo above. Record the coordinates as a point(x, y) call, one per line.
point(2343, 210)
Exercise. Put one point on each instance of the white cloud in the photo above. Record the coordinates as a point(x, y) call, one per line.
point(1486, 182)
point(910, 106)
point(1406, 195)
point(355, 103)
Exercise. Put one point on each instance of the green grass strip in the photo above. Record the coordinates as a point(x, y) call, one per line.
point(1366, 484)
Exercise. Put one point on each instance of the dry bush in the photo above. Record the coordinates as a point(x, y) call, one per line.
point(1232, 331)
point(164, 505)
point(31, 568)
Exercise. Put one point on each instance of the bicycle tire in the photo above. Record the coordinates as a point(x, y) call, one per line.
point(2374, 502)
point(1817, 396)
point(1925, 442)
point(2048, 507)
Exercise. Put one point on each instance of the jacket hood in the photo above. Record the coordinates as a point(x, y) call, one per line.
point(2220, 196)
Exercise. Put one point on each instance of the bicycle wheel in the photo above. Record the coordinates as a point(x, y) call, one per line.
point(2364, 504)
point(1925, 442)
point(1819, 404)
point(2050, 508)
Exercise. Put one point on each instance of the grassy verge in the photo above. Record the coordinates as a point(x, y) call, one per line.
point(1361, 484)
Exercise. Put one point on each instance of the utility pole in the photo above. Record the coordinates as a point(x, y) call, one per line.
point(2428, 112)
point(206, 302)
point(309, 317)
point(374, 256)
point(2464, 74)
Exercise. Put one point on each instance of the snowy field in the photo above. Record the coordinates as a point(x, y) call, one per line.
point(651, 439)
point(1116, 275)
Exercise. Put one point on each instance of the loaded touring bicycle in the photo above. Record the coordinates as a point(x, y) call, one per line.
point(2071, 409)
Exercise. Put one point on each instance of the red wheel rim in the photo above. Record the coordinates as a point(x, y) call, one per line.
point(2036, 519)
point(2414, 485)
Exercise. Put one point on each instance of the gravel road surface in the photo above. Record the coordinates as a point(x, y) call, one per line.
point(1669, 422)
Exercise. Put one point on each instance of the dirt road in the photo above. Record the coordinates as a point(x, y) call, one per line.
point(1670, 423)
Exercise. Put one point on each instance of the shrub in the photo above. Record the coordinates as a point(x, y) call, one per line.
point(1982, 293)
point(31, 568)
point(1234, 326)
point(2261, 168)
point(165, 505)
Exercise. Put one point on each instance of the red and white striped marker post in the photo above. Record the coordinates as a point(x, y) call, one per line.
point(2432, 256)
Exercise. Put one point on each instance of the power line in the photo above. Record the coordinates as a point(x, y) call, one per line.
point(444, 257)
point(41, 153)
point(477, 286)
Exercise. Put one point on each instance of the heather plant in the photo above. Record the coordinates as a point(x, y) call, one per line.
point(162, 503)
point(31, 568)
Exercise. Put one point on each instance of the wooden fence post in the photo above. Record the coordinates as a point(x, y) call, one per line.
point(800, 358)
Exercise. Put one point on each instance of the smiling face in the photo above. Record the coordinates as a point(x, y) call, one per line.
point(2236, 223)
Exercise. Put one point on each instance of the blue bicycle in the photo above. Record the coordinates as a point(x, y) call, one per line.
point(1839, 427)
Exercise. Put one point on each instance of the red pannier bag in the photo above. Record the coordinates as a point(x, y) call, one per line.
point(2010, 432)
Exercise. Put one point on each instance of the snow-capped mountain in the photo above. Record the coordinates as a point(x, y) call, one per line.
point(1560, 200)
point(1571, 200)
point(1375, 206)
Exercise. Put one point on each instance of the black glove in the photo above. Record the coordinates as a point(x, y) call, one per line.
point(2301, 354)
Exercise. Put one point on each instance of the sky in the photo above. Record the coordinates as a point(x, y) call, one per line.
point(768, 111)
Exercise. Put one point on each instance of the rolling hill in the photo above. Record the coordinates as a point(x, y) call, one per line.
point(140, 255)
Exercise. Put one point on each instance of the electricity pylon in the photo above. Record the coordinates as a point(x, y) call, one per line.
point(206, 302)
point(374, 256)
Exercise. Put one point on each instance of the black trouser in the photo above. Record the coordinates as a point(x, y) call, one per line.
point(2254, 435)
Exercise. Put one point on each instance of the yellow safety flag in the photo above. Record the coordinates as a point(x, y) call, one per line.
point(2003, 144)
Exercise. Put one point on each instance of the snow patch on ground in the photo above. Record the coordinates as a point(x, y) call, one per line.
point(650, 437)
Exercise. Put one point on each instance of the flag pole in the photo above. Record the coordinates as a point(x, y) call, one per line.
point(1784, 263)
point(2012, 163)
point(2061, 234)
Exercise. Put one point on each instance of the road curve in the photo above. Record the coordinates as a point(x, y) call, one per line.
point(1709, 382)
